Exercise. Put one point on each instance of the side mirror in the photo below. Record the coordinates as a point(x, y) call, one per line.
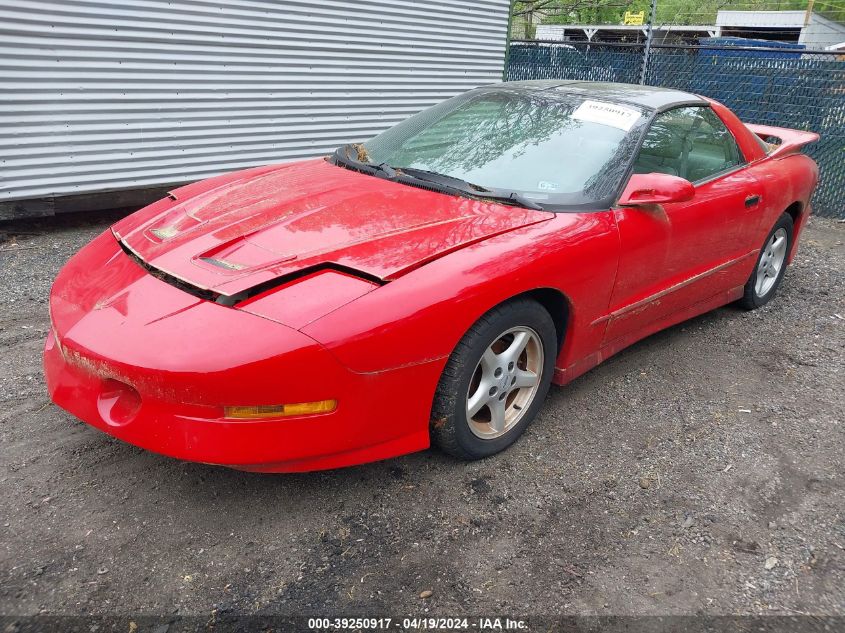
point(645, 189)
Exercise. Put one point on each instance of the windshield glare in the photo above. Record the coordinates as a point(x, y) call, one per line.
point(549, 148)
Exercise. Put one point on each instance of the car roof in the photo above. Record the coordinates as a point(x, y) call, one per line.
point(649, 97)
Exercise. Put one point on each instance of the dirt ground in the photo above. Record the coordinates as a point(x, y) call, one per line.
point(699, 472)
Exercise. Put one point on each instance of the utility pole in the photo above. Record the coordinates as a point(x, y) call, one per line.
point(808, 13)
point(649, 35)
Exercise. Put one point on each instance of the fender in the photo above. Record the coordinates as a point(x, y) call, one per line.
point(574, 253)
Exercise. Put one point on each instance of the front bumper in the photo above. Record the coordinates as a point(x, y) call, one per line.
point(362, 429)
point(150, 365)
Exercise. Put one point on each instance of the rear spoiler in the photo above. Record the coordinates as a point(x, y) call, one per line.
point(782, 141)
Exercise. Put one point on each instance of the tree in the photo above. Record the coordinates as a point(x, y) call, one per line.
point(574, 11)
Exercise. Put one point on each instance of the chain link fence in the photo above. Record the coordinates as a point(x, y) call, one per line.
point(772, 86)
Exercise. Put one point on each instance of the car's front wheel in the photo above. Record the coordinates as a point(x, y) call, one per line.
point(771, 265)
point(495, 380)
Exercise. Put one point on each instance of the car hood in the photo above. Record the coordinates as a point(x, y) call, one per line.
point(233, 233)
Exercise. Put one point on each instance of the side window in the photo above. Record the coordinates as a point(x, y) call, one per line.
point(690, 142)
point(663, 146)
point(712, 148)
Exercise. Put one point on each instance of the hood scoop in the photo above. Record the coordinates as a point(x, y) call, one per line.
point(222, 263)
point(232, 300)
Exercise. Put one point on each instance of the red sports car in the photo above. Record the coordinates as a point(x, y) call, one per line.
point(427, 285)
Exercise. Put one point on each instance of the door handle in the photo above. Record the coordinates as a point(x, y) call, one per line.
point(752, 201)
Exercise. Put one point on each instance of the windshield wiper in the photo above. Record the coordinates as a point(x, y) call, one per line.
point(351, 156)
point(512, 198)
point(348, 156)
point(465, 187)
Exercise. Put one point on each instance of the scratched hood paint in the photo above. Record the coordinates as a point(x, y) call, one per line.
point(234, 232)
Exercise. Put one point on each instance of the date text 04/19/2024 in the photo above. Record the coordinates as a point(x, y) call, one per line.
point(418, 623)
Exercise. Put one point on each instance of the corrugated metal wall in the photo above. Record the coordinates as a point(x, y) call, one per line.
point(102, 95)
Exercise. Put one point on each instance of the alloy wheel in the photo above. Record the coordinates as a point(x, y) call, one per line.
point(771, 262)
point(504, 382)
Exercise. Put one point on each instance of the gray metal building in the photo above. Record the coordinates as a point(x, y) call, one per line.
point(105, 101)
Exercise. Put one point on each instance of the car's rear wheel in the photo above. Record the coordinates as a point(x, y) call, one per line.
point(768, 273)
point(495, 381)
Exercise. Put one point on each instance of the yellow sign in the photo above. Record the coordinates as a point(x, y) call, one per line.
point(634, 19)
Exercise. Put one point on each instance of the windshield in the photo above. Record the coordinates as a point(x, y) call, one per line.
point(554, 149)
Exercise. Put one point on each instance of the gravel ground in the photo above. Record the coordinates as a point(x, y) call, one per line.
point(699, 472)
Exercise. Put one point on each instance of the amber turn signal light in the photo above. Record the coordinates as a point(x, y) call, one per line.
point(280, 410)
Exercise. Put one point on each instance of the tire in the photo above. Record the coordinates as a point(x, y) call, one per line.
point(770, 265)
point(482, 368)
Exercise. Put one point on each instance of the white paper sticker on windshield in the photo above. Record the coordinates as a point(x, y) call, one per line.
point(607, 114)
